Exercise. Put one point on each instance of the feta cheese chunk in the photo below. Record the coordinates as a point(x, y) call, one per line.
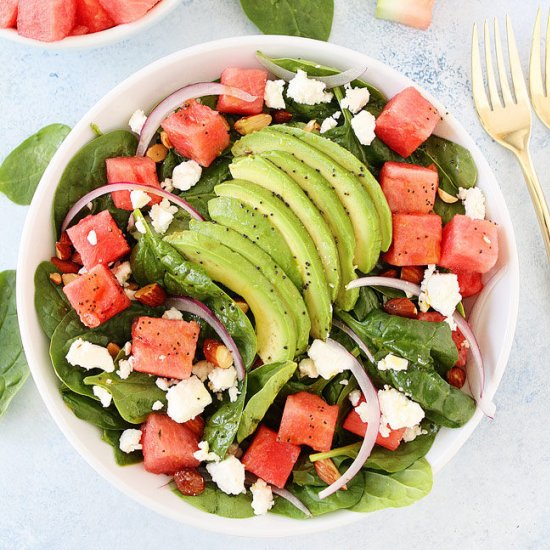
point(140, 226)
point(363, 411)
point(137, 120)
point(329, 359)
point(393, 362)
point(273, 95)
point(173, 314)
point(411, 434)
point(355, 99)
point(440, 291)
point(92, 237)
point(363, 125)
point(204, 454)
point(125, 368)
point(167, 185)
point(165, 383)
point(473, 200)
point(186, 174)
point(222, 379)
point(330, 122)
point(122, 272)
point(161, 216)
point(130, 441)
point(103, 395)
point(187, 399)
point(89, 356)
point(354, 397)
point(228, 475)
point(307, 368)
point(233, 393)
point(308, 91)
point(139, 199)
point(157, 406)
point(262, 497)
point(397, 411)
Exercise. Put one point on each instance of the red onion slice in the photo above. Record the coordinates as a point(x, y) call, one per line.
point(190, 305)
point(111, 187)
point(353, 335)
point(373, 424)
point(168, 105)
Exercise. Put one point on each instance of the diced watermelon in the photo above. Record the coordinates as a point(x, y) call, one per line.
point(269, 458)
point(46, 21)
point(197, 132)
point(308, 420)
point(167, 445)
point(91, 14)
point(196, 425)
point(416, 240)
point(407, 121)
point(409, 189)
point(469, 245)
point(8, 13)
point(469, 282)
point(164, 347)
point(101, 229)
point(126, 11)
point(79, 30)
point(414, 13)
point(131, 170)
point(249, 80)
point(96, 296)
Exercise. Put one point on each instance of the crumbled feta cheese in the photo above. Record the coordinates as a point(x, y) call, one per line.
point(363, 125)
point(344, 382)
point(354, 397)
point(440, 291)
point(90, 206)
point(186, 174)
point(173, 314)
point(307, 368)
point(410, 434)
point(363, 411)
point(355, 99)
point(103, 395)
point(328, 124)
point(308, 91)
point(139, 199)
point(262, 497)
point(165, 383)
point(127, 348)
point(125, 368)
point(228, 475)
point(329, 358)
point(202, 369)
point(140, 226)
point(130, 441)
point(273, 95)
point(187, 399)
point(167, 185)
point(162, 215)
point(473, 200)
point(233, 393)
point(397, 411)
point(393, 362)
point(157, 406)
point(89, 356)
point(92, 237)
point(204, 454)
point(222, 379)
point(122, 272)
point(137, 120)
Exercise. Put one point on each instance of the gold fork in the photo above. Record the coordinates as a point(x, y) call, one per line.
point(540, 99)
point(508, 121)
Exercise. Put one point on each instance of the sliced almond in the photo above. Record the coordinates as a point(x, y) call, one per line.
point(312, 126)
point(113, 349)
point(165, 140)
point(69, 278)
point(152, 295)
point(254, 123)
point(55, 278)
point(446, 197)
point(328, 472)
point(157, 152)
point(217, 354)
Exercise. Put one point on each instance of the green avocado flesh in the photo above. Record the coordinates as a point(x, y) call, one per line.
point(350, 162)
point(274, 324)
point(314, 285)
point(286, 290)
point(352, 194)
point(262, 172)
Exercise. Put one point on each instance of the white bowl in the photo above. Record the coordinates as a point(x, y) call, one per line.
point(495, 325)
point(97, 39)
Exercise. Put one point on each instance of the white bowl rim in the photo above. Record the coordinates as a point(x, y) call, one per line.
point(27, 315)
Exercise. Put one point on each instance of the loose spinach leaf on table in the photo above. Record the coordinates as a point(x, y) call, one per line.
point(23, 168)
point(112, 437)
point(13, 365)
point(308, 18)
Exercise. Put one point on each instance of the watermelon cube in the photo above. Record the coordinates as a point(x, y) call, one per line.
point(164, 347)
point(416, 240)
point(98, 240)
point(127, 11)
point(91, 14)
point(406, 121)
point(46, 21)
point(469, 245)
point(270, 459)
point(96, 296)
point(167, 445)
point(469, 282)
point(308, 420)
point(409, 189)
point(249, 80)
point(132, 170)
point(8, 13)
point(197, 132)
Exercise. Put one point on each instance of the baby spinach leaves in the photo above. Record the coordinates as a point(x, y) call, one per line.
point(112, 437)
point(23, 168)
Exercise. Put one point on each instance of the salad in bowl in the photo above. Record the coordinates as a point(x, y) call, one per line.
point(256, 291)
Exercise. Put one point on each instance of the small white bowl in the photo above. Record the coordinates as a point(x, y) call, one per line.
point(97, 39)
point(494, 326)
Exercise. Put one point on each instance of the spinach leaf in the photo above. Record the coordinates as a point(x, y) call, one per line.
point(309, 18)
point(368, 301)
point(295, 385)
point(23, 168)
point(86, 170)
point(448, 211)
point(112, 437)
point(305, 113)
point(395, 490)
point(50, 301)
point(264, 384)
point(13, 365)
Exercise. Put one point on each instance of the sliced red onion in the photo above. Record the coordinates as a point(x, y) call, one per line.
point(123, 186)
point(353, 335)
point(190, 305)
point(373, 424)
point(168, 105)
point(389, 282)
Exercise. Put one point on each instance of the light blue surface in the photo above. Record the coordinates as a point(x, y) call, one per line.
point(494, 494)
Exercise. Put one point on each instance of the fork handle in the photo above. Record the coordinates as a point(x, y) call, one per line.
point(537, 196)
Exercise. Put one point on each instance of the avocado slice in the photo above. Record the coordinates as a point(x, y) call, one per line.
point(350, 162)
point(262, 172)
point(352, 195)
point(288, 293)
point(319, 191)
point(254, 226)
point(314, 285)
point(274, 324)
